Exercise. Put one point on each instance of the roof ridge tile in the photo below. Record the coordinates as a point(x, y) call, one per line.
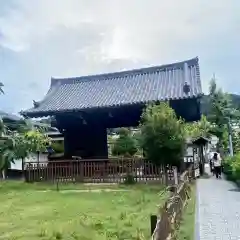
point(125, 73)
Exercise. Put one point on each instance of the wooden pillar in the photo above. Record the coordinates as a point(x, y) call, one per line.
point(69, 143)
point(202, 160)
point(100, 142)
point(86, 141)
point(96, 142)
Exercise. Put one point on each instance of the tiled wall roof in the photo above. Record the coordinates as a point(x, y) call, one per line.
point(121, 88)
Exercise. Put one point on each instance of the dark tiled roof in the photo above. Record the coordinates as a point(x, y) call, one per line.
point(121, 88)
point(9, 116)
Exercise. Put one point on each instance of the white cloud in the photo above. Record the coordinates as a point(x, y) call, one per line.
point(138, 27)
point(74, 37)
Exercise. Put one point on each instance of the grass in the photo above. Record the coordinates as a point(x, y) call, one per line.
point(27, 212)
point(187, 225)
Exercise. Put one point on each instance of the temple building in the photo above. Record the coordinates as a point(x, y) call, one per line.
point(84, 107)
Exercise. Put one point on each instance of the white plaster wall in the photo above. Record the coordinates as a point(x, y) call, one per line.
point(43, 159)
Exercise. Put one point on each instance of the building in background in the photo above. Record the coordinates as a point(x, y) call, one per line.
point(85, 107)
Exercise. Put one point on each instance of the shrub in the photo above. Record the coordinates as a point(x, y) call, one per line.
point(129, 179)
point(198, 129)
point(231, 167)
point(58, 147)
point(227, 168)
point(235, 165)
point(162, 135)
point(125, 145)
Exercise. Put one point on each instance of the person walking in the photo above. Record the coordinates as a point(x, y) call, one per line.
point(217, 163)
point(211, 166)
point(210, 157)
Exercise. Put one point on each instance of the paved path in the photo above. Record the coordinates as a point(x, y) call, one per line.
point(217, 210)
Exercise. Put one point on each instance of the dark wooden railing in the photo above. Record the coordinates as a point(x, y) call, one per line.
point(170, 214)
point(95, 170)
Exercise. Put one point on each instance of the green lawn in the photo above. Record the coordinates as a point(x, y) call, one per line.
point(27, 212)
point(187, 225)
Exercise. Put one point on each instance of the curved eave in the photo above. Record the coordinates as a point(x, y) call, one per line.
point(32, 111)
point(36, 114)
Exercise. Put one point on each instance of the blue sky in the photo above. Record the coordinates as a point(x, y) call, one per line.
point(42, 38)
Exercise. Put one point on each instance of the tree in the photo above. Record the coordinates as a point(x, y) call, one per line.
point(137, 138)
point(2, 128)
point(221, 111)
point(236, 137)
point(58, 147)
point(6, 154)
point(21, 145)
point(36, 140)
point(201, 128)
point(162, 135)
point(4, 142)
point(236, 140)
point(33, 141)
point(125, 144)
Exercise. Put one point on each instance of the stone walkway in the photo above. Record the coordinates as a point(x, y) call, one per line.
point(217, 210)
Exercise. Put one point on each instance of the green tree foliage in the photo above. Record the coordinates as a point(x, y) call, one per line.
point(3, 129)
point(137, 138)
point(201, 128)
point(58, 147)
point(236, 140)
point(4, 141)
point(221, 111)
point(232, 167)
point(36, 141)
point(20, 145)
point(125, 144)
point(162, 135)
